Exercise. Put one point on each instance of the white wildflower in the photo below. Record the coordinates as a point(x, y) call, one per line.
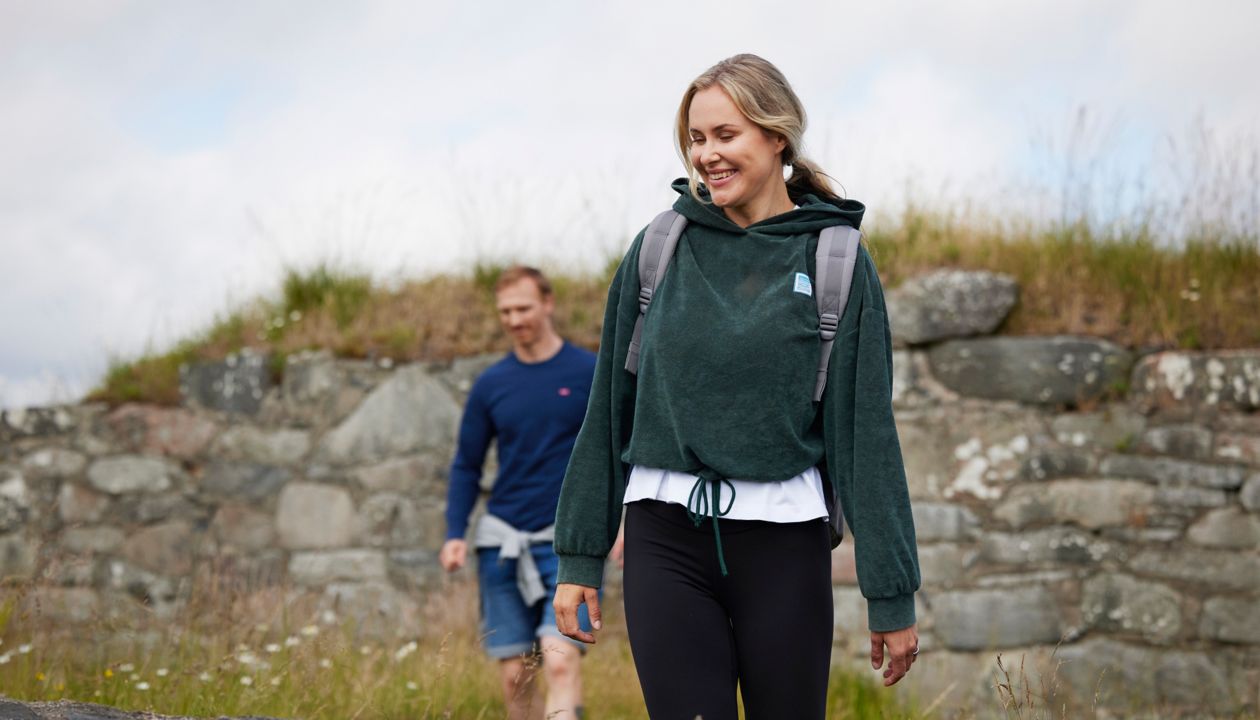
point(365, 650)
point(126, 668)
point(405, 650)
point(325, 663)
point(162, 672)
point(24, 648)
point(412, 686)
point(292, 641)
point(142, 686)
point(275, 681)
point(272, 648)
point(247, 680)
point(328, 617)
point(204, 677)
point(310, 630)
point(5, 658)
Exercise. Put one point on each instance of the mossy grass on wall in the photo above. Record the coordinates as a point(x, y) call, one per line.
point(1129, 287)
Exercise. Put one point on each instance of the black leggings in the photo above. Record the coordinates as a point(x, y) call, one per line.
point(695, 634)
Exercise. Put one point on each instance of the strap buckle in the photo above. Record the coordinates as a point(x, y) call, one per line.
point(645, 298)
point(827, 324)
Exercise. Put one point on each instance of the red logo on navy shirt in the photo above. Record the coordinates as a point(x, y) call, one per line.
point(565, 392)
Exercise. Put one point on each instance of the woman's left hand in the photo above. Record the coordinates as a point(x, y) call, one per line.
point(903, 648)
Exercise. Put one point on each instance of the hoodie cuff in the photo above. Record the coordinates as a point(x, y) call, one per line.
point(888, 614)
point(585, 570)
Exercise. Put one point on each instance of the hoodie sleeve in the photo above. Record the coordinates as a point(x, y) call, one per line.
point(589, 511)
point(864, 460)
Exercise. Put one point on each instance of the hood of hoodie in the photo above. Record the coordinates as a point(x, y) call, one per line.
point(812, 216)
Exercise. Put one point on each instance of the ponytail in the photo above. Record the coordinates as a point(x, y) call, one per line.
point(808, 178)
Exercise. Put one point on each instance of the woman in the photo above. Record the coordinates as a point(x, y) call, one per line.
point(724, 390)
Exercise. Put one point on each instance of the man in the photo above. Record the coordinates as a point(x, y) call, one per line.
point(531, 403)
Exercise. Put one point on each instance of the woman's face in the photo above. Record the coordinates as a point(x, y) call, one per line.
point(738, 161)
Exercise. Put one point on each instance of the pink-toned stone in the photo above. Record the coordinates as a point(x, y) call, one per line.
point(173, 432)
point(79, 504)
point(843, 564)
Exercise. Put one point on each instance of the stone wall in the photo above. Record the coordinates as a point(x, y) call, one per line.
point(1090, 510)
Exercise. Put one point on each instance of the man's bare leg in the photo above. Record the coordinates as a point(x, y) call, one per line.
point(516, 678)
point(562, 663)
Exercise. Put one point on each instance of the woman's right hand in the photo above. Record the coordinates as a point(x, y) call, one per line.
point(568, 598)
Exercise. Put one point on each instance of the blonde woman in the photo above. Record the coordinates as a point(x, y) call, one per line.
point(725, 465)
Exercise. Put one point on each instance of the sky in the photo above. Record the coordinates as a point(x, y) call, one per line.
point(163, 162)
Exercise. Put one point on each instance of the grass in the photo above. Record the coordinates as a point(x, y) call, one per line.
point(1124, 286)
point(269, 655)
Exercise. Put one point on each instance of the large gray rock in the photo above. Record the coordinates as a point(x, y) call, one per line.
point(54, 462)
point(243, 480)
point(379, 610)
point(167, 549)
point(415, 569)
point(1249, 496)
point(174, 432)
point(1188, 384)
point(950, 304)
point(1055, 463)
point(1121, 677)
point(389, 520)
point(943, 521)
point(1172, 472)
point(310, 516)
point(264, 447)
point(1237, 447)
point(944, 564)
point(76, 504)
point(412, 475)
point(235, 384)
point(1231, 620)
point(17, 557)
point(1053, 546)
point(1188, 441)
point(62, 605)
point(67, 710)
point(90, 540)
point(1087, 503)
point(239, 528)
point(321, 568)
point(988, 619)
point(1111, 427)
point(318, 390)
point(408, 413)
point(1229, 527)
point(38, 422)
point(1123, 604)
point(129, 474)
point(1048, 371)
point(1209, 569)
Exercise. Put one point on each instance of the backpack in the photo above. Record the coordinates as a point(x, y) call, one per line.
point(834, 261)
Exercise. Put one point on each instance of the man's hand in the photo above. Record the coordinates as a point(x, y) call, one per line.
point(568, 598)
point(453, 555)
point(903, 646)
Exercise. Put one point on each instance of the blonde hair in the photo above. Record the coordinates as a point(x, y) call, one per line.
point(764, 96)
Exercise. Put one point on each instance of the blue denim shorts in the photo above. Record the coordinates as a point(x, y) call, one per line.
point(509, 627)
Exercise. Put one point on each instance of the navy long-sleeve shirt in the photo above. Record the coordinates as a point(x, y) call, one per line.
point(533, 411)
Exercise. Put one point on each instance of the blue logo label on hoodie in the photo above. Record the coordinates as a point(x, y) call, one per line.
point(803, 285)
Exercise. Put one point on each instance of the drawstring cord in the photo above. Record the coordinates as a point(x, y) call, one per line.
point(699, 507)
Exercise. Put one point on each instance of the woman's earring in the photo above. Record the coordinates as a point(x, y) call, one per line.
point(787, 172)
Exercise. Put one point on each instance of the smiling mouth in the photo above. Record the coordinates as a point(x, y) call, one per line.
point(721, 175)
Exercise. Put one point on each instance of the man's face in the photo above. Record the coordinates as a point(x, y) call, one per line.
point(523, 312)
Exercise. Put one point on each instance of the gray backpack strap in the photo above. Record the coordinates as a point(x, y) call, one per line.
point(833, 266)
point(655, 253)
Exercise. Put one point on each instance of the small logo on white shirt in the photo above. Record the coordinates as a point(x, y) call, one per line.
point(803, 285)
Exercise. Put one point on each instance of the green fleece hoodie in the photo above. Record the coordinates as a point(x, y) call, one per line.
point(725, 383)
